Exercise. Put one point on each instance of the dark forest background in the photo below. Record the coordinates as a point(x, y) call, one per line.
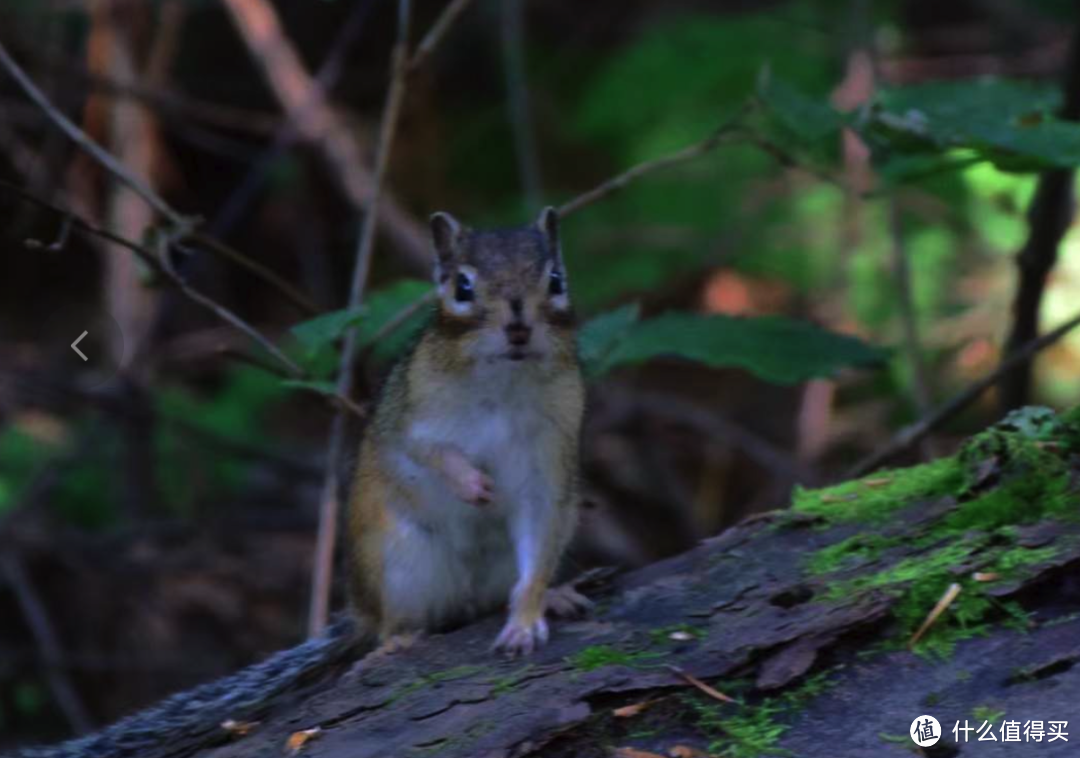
point(873, 211)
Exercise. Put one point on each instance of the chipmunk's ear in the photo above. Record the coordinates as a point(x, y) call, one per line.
point(446, 233)
point(548, 224)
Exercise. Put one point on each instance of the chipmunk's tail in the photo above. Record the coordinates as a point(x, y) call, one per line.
point(194, 717)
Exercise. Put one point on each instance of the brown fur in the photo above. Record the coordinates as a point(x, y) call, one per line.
point(448, 397)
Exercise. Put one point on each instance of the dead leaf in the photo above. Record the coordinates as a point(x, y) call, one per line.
point(941, 606)
point(627, 711)
point(685, 751)
point(880, 482)
point(715, 694)
point(982, 576)
point(238, 728)
point(629, 752)
point(297, 740)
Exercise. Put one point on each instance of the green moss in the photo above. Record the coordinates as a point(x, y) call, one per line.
point(458, 672)
point(843, 554)
point(895, 739)
point(1024, 451)
point(510, 682)
point(874, 497)
point(598, 656)
point(448, 675)
point(754, 730)
point(985, 713)
point(1035, 482)
point(920, 581)
point(1017, 472)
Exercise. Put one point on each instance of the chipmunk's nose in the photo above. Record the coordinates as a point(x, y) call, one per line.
point(517, 331)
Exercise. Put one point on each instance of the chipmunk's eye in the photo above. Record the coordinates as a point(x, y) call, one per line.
point(463, 289)
point(556, 283)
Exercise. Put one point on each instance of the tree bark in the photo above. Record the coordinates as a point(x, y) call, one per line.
point(1049, 217)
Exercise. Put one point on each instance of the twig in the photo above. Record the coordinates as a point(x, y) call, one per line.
point(511, 35)
point(89, 146)
point(218, 115)
point(331, 494)
point(670, 407)
point(395, 322)
point(48, 643)
point(182, 226)
point(318, 123)
point(939, 608)
point(910, 435)
point(1049, 217)
point(233, 255)
point(165, 270)
point(164, 266)
point(693, 681)
point(340, 401)
point(58, 244)
point(346, 403)
point(438, 31)
point(286, 134)
point(912, 343)
point(620, 181)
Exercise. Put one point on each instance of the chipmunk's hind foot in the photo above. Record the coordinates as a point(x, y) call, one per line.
point(566, 602)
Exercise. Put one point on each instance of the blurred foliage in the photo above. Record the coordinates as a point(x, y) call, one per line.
point(914, 129)
point(235, 411)
point(958, 158)
point(773, 348)
point(393, 315)
point(86, 495)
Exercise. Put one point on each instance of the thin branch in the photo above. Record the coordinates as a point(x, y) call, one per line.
point(231, 254)
point(286, 134)
point(512, 38)
point(217, 115)
point(182, 226)
point(396, 321)
point(48, 643)
point(88, 145)
point(438, 31)
point(329, 506)
point(908, 320)
point(164, 270)
point(318, 122)
point(912, 434)
point(614, 184)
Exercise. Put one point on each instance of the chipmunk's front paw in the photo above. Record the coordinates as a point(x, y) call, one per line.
point(522, 638)
point(467, 482)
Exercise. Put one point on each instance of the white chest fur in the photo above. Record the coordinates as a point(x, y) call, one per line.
point(496, 419)
point(467, 552)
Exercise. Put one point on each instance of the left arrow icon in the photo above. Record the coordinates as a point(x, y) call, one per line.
point(76, 342)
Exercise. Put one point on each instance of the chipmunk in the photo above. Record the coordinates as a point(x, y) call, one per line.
point(466, 491)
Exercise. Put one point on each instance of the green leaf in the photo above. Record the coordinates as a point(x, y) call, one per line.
point(318, 386)
point(598, 337)
point(1009, 123)
point(773, 348)
point(379, 309)
point(803, 117)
